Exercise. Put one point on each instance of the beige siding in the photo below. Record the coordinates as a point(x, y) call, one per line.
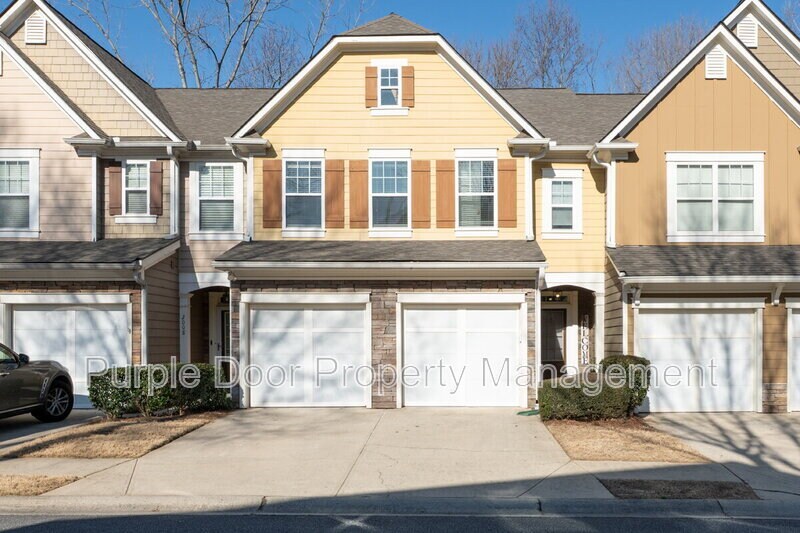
point(775, 344)
point(613, 311)
point(448, 114)
point(778, 61)
point(30, 119)
point(587, 254)
point(162, 311)
point(84, 85)
point(161, 228)
point(709, 115)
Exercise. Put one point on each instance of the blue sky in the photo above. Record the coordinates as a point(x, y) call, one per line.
point(614, 20)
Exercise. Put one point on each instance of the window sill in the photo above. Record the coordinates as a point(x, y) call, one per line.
point(389, 111)
point(303, 233)
point(390, 233)
point(135, 219)
point(563, 235)
point(477, 232)
point(716, 238)
point(19, 233)
point(216, 236)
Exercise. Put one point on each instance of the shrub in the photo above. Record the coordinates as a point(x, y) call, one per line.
point(637, 376)
point(138, 390)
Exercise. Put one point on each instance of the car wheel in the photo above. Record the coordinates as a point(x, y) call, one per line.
point(57, 404)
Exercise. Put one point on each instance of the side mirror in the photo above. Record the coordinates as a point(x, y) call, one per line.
point(24, 359)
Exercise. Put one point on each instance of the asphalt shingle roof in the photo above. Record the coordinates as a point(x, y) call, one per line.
point(391, 24)
point(107, 251)
point(388, 251)
point(706, 260)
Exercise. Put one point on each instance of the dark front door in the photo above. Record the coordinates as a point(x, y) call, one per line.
point(554, 341)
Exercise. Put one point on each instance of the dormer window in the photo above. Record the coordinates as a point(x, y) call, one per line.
point(389, 87)
point(389, 94)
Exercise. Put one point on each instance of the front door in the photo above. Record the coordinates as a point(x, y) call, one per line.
point(554, 341)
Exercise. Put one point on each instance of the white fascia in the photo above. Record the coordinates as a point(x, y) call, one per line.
point(771, 23)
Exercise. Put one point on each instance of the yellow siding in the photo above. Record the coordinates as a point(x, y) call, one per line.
point(30, 119)
point(709, 115)
point(84, 85)
point(778, 61)
point(448, 114)
point(587, 254)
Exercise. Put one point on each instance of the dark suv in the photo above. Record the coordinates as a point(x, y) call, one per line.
point(41, 388)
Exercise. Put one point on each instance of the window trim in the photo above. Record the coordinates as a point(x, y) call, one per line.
point(292, 232)
point(32, 156)
point(574, 176)
point(390, 110)
point(391, 231)
point(476, 155)
point(756, 159)
point(238, 212)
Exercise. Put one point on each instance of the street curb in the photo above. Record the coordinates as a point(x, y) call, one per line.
point(388, 505)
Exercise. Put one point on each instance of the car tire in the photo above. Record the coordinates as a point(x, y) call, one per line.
point(57, 404)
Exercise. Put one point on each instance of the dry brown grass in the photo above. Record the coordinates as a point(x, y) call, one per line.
point(31, 485)
point(620, 440)
point(649, 489)
point(111, 439)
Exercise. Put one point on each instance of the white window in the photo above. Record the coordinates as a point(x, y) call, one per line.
point(216, 191)
point(19, 193)
point(303, 186)
point(715, 197)
point(389, 86)
point(562, 209)
point(389, 193)
point(136, 187)
point(476, 193)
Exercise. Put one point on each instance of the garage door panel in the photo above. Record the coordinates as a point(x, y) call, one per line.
point(336, 319)
point(278, 347)
point(347, 347)
point(425, 345)
point(668, 325)
point(29, 318)
point(496, 320)
point(434, 319)
point(277, 319)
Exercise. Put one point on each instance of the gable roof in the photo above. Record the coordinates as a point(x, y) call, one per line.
point(569, 118)
point(771, 22)
point(211, 115)
point(721, 35)
point(391, 24)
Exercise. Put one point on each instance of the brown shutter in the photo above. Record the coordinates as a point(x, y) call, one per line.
point(334, 193)
point(272, 206)
point(156, 189)
point(408, 86)
point(359, 194)
point(420, 194)
point(371, 86)
point(507, 193)
point(445, 194)
point(114, 178)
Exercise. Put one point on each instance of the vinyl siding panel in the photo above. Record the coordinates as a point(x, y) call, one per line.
point(775, 345)
point(163, 311)
point(30, 119)
point(778, 61)
point(709, 115)
point(613, 311)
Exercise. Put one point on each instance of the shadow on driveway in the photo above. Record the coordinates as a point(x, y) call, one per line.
point(24, 427)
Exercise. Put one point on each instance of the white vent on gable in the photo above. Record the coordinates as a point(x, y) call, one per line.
point(716, 64)
point(747, 31)
point(36, 29)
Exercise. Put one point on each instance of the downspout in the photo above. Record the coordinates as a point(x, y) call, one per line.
point(530, 230)
point(248, 164)
point(139, 278)
point(95, 199)
point(175, 195)
point(611, 198)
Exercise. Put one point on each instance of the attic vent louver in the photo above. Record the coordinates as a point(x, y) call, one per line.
point(716, 64)
point(36, 29)
point(747, 31)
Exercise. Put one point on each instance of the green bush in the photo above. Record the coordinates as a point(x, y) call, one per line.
point(616, 391)
point(139, 390)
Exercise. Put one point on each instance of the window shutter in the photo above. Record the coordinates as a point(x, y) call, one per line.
point(507, 193)
point(421, 194)
point(272, 193)
point(334, 193)
point(371, 86)
point(156, 192)
point(445, 194)
point(114, 179)
point(359, 194)
point(36, 29)
point(716, 64)
point(747, 31)
point(408, 86)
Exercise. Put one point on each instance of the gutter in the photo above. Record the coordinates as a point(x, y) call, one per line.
point(405, 265)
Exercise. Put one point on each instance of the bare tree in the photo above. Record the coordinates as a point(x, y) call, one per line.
point(652, 55)
point(499, 62)
point(791, 14)
point(98, 12)
point(273, 59)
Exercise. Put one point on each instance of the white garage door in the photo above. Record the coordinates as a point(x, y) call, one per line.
point(466, 356)
point(794, 363)
point(309, 356)
point(71, 335)
point(682, 345)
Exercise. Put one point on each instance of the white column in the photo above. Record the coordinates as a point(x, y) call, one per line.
point(185, 327)
point(599, 326)
point(95, 178)
point(611, 205)
point(529, 200)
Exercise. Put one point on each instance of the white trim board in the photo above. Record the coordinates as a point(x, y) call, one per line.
point(296, 298)
point(460, 298)
point(64, 299)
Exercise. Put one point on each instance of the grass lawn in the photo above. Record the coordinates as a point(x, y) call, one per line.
point(31, 485)
point(111, 439)
point(645, 489)
point(620, 440)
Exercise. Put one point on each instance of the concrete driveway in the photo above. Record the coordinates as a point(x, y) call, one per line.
point(25, 427)
point(303, 453)
point(762, 450)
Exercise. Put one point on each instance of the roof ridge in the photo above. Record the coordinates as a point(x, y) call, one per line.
point(410, 26)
